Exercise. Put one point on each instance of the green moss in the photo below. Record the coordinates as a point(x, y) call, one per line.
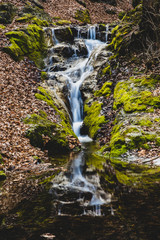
point(121, 15)
point(39, 22)
point(144, 122)
point(106, 70)
point(83, 16)
point(2, 26)
point(46, 134)
point(105, 90)
point(2, 176)
point(29, 42)
point(93, 120)
point(134, 175)
point(25, 18)
point(126, 137)
point(63, 22)
point(121, 39)
point(44, 76)
point(132, 97)
point(58, 133)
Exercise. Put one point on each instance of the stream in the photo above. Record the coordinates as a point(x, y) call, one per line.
point(77, 188)
point(81, 202)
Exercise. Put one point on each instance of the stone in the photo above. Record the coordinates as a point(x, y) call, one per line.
point(64, 50)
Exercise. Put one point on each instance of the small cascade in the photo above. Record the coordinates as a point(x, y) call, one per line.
point(75, 188)
point(107, 27)
point(54, 37)
point(92, 32)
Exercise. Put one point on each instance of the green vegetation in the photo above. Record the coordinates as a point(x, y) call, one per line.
point(29, 42)
point(62, 22)
point(53, 136)
point(105, 90)
point(93, 119)
point(127, 137)
point(121, 34)
point(83, 16)
point(2, 176)
point(136, 95)
point(2, 26)
point(44, 76)
point(135, 175)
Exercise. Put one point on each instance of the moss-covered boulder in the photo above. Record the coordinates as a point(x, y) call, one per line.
point(93, 118)
point(83, 16)
point(29, 18)
point(62, 22)
point(2, 26)
point(136, 126)
point(124, 35)
point(28, 42)
point(7, 13)
point(56, 137)
point(64, 34)
point(136, 94)
point(36, 12)
point(105, 90)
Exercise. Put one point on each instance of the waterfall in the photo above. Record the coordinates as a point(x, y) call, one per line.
point(92, 32)
point(107, 32)
point(78, 69)
point(54, 36)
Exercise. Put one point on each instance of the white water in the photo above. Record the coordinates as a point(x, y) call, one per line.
point(76, 75)
point(80, 69)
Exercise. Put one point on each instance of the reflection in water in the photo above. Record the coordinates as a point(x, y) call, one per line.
point(76, 188)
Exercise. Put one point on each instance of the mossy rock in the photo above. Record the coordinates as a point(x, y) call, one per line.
point(29, 18)
point(136, 176)
point(63, 22)
point(93, 118)
point(136, 94)
point(53, 136)
point(2, 26)
point(2, 176)
point(127, 137)
point(64, 34)
point(28, 42)
point(36, 12)
point(7, 13)
point(44, 76)
point(124, 38)
point(105, 90)
point(83, 16)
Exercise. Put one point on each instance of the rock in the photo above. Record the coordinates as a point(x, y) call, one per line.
point(81, 49)
point(83, 16)
point(7, 13)
point(64, 34)
point(64, 50)
point(38, 4)
point(97, 59)
point(29, 42)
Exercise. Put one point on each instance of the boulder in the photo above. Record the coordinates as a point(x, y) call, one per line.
point(64, 34)
point(64, 50)
point(7, 13)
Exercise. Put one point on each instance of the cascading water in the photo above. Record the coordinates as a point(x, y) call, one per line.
point(76, 76)
point(79, 69)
